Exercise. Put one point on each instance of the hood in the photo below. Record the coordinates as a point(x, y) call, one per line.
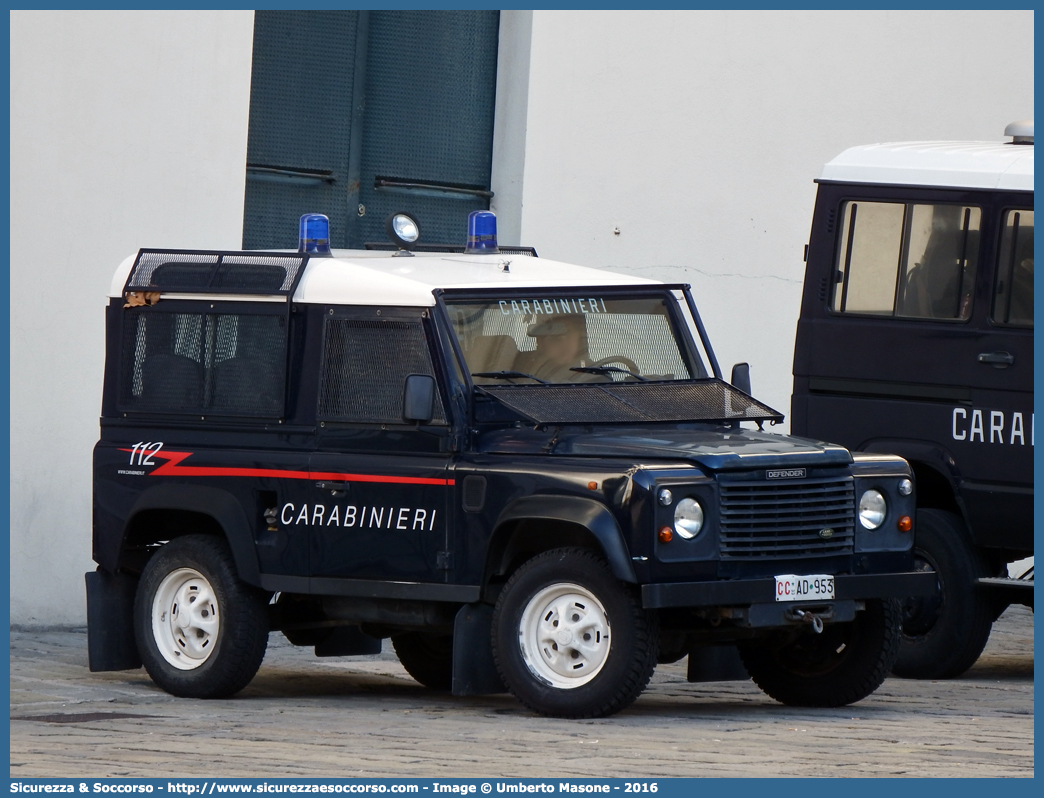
point(713, 449)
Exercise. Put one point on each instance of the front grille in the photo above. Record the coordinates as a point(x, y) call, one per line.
point(767, 520)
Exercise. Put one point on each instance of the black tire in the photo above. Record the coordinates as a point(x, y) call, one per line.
point(213, 664)
point(427, 658)
point(842, 665)
point(944, 634)
point(561, 590)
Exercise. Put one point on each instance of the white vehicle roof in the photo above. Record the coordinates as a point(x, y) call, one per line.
point(949, 164)
point(367, 277)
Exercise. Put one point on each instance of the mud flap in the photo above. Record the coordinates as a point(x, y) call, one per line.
point(474, 672)
point(716, 664)
point(110, 622)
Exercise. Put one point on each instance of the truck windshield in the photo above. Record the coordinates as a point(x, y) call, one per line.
point(569, 339)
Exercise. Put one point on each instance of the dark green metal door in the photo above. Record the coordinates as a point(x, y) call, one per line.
point(357, 114)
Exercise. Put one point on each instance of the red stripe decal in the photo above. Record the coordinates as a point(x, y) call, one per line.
point(173, 468)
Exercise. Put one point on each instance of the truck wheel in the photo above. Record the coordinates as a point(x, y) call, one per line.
point(427, 658)
point(944, 634)
point(842, 665)
point(569, 640)
point(201, 632)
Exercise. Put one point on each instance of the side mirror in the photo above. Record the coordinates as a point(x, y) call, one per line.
point(418, 399)
point(741, 377)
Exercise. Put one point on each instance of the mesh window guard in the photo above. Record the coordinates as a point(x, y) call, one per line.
point(215, 272)
point(203, 364)
point(696, 400)
point(365, 365)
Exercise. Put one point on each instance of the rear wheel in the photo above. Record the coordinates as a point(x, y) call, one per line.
point(201, 631)
point(843, 664)
point(427, 658)
point(569, 639)
point(945, 633)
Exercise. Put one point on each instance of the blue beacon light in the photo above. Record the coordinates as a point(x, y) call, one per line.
point(482, 233)
point(314, 238)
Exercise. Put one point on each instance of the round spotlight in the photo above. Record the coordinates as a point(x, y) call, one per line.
point(905, 487)
point(665, 498)
point(403, 230)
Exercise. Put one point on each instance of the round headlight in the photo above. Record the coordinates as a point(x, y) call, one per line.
point(872, 509)
point(688, 518)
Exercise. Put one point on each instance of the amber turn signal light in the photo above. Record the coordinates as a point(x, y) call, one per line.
point(592, 486)
point(905, 524)
point(666, 533)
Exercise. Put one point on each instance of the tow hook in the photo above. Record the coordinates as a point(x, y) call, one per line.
point(807, 616)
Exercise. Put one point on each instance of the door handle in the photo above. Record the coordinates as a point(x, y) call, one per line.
point(998, 360)
point(333, 487)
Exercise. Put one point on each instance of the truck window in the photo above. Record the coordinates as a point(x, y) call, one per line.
point(205, 364)
point(365, 366)
point(1013, 293)
point(908, 260)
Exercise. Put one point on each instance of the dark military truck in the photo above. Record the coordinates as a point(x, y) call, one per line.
point(916, 339)
point(528, 475)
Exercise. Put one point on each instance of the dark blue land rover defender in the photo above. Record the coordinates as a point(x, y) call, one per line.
point(529, 475)
point(916, 339)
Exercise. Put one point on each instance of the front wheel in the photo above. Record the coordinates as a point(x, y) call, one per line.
point(842, 665)
point(571, 641)
point(201, 632)
point(945, 633)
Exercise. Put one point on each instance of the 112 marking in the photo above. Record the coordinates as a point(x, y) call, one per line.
point(145, 451)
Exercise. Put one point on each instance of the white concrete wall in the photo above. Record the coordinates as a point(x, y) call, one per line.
point(698, 134)
point(128, 129)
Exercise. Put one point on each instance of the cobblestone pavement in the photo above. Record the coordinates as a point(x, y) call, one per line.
point(364, 716)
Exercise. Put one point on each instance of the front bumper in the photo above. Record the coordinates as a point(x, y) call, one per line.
point(742, 592)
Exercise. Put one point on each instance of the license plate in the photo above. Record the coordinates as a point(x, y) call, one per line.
point(791, 587)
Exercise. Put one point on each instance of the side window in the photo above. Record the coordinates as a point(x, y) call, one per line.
point(1013, 291)
point(221, 364)
point(365, 365)
point(908, 260)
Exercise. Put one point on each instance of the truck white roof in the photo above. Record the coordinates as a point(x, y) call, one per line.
point(368, 277)
point(950, 164)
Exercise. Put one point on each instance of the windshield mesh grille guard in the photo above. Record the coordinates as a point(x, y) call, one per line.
point(200, 272)
point(612, 403)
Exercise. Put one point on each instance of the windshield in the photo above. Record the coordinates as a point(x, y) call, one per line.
point(569, 339)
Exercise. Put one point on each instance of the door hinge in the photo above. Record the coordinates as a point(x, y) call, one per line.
point(444, 560)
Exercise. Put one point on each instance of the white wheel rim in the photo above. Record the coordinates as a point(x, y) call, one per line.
point(185, 620)
point(564, 636)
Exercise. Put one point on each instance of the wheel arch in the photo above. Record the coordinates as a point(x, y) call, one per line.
point(164, 512)
point(935, 472)
point(534, 524)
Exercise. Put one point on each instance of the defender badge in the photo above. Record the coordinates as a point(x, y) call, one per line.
point(786, 473)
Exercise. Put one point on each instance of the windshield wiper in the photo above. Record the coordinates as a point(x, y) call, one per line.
point(608, 370)
point(508, 375)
